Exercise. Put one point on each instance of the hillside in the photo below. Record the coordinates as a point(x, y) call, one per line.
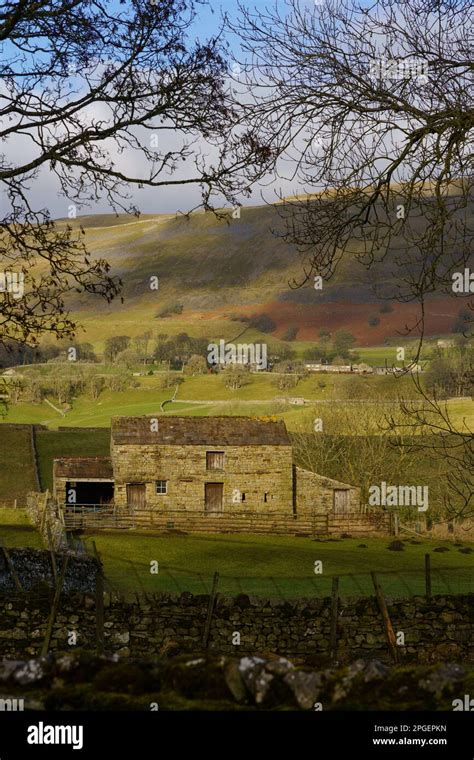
point(220, 269)
point(17, 469)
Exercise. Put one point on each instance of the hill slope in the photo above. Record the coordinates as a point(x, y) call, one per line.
point(216, 269)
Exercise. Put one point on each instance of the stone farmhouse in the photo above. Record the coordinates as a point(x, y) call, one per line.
point(188, 468)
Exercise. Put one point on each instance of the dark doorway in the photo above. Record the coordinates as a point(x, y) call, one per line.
point(136, 495)
point(214, 496)
point(89, 493)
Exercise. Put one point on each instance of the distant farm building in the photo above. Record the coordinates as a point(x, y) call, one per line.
point(195, 473)
point(294, 400)
point(362, 369)
point(335, 368)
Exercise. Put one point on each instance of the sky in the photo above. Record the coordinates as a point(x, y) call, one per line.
point(45, 192)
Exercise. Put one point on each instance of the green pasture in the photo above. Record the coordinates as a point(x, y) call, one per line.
point(16, 465)
point(17, 531)
point(260, 390)
point(277, 566)
point(51, 444)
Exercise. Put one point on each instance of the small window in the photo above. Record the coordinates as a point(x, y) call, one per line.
point(161, 486)
point(265, 497)
point(215, 460)
point(243, 497)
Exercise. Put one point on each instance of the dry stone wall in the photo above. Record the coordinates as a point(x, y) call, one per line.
point(44, 515)
point(439, 628)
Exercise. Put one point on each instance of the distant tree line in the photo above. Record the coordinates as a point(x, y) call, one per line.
point(15, 354)
point(336, 348)
point(35, 387)
point(451, 372)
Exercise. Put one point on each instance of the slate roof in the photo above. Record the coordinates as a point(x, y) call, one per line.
point(76, 468)
point(196, 431)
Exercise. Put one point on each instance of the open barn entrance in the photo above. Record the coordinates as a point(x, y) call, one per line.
point(89, 492)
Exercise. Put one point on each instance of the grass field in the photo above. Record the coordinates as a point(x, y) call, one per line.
point(16, 530)
point(277, 566)
point(314, 386)
point(381, 355)
point(51, 444)
point(258, 396)
point(16, 465)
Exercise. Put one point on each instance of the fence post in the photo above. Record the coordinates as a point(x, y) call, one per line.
point(45, 509)
point(210, 610)
point(334, 613)
point(54, 608)
point(51, 551)
point(396, 526)
point(99, 602)
point(387, 623)
point(99, 611)
point(428, 576)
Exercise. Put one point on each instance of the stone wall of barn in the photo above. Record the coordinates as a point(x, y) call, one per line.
point(59, 489)
point(316, 493)
point(250, 470)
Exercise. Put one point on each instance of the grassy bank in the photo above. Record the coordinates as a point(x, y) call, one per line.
point(17, 531)
point(281, 566)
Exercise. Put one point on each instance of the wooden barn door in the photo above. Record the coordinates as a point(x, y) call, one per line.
point(214, 496)
point(341, 502)
point(136, 495)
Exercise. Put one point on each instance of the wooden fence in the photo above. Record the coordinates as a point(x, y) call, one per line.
point(308, 523)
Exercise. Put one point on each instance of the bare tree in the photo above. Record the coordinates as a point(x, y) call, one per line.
point(80, 85)
point(428, 427)
point(235, 376)
point(369, 109)
point(352, 445)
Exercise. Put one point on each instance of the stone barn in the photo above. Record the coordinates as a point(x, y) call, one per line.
point(200, 465)
point(210, 463)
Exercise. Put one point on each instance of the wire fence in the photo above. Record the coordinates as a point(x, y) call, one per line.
point(131, 577)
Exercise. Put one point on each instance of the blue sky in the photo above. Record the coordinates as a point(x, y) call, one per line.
point(44, 190)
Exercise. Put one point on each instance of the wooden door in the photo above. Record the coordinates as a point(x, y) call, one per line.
point(214, 496)
point(341, 502)
point(136, 495)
